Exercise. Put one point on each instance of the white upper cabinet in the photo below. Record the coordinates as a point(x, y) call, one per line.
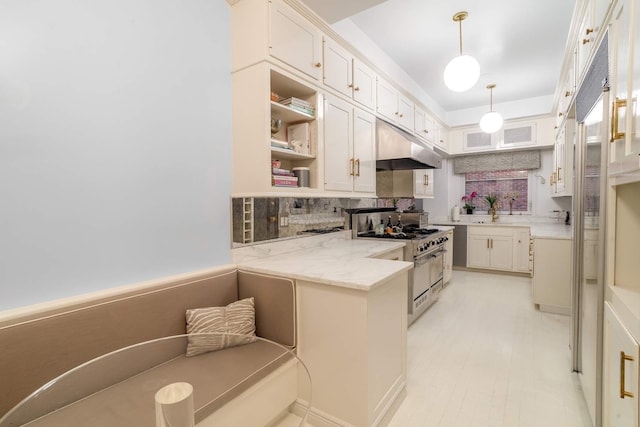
point(423, 183)
point(338, 67)
point(348, 75)
point(364, 84)
point(393, 106)
point(349, 148)
point(423, 125)
point(294, 40)
point(441, 138)
point(625, 118)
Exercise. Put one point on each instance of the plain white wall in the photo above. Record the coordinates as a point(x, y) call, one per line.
point(115, 143)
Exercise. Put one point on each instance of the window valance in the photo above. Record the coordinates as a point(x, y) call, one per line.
point(529, 159)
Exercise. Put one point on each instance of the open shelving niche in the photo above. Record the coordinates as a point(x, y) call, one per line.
point(286, 87)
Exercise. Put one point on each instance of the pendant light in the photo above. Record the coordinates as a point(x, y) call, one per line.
point(492, 121)
point(463, 71)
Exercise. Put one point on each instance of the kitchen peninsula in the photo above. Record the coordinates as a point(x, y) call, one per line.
point(351, 304)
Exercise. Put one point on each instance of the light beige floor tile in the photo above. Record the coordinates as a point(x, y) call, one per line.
point(484, 356)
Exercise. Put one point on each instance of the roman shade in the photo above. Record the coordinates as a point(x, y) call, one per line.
point(529, 159)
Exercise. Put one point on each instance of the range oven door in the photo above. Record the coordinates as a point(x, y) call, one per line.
point(419, 284)
point(436, 273)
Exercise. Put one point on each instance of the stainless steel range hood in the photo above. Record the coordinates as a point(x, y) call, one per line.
point(399, 150)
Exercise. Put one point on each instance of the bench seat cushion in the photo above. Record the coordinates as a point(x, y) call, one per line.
point(216, 377)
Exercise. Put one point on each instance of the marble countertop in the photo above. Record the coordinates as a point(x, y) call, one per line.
point(333, 259)
point(548, 230)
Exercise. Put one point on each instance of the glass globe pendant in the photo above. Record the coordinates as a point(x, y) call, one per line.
point(492, 121)
point(462, 72)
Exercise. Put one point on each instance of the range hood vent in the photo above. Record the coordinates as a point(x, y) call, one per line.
point(399, 150)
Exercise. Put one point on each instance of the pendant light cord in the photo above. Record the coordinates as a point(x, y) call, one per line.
point(460, 22)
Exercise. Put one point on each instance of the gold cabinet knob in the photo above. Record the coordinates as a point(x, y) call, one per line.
point(317, 65)
point(356, 88)
point(589, 31)
point(585, 41)
point(560, 114)
point(567, 93)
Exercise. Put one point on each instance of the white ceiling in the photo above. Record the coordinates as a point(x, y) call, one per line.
point(519, 44)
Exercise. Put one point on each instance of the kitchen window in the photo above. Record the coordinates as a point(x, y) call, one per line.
point(509, 185)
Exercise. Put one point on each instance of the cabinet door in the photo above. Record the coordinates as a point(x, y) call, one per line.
point(364, 143)
point(478, 251)
point(623, 155)
point(423, 125)
point(448, 258)
point(620, 352)
point(585, 41)
point(521, 244)
point(337, 70)
point(501, 252)
point(559, 157)
point(441, 137)
point(405, 113)
point(364, 84)
point(423, 183)
point(386, 100)
point(294, 40)
point(339, 163)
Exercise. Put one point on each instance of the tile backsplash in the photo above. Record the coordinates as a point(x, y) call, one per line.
point(261, 218)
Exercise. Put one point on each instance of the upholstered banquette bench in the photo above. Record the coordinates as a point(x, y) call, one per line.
point(39, 344)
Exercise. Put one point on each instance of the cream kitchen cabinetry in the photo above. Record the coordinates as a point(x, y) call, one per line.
point(561, 178)
point(394, 106)
point(405, 183)
point(621, 355)
point(523, 250)
point(348, 75)
point(625, 114)
point(490, 247)
point(354, 343)
point(283, 34)
point(423, 125)
point(349, 147)
point(441, 139)
point(551, 284)
point(294, 40)
point(448, 257)
point(254, 145)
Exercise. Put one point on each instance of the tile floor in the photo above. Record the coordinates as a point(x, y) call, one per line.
point(482, 355)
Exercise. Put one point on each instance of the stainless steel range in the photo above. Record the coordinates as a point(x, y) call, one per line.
point(425, 247)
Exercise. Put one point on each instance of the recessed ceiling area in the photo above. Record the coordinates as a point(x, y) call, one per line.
point(519, 44)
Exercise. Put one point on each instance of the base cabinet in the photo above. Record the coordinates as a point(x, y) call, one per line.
point(552, 275)
point(354, 344)
point(620, 376)
point(490, 247)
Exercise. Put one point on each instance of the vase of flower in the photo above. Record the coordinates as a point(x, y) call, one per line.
point(468, 202)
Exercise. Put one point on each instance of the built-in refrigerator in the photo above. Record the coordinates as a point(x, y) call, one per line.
point(589, 201)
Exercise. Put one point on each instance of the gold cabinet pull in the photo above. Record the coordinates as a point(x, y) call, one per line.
point(623, 359)
point(567, 93)
point(425, 180)
point(426, 131)
point(491, 243)
point(560, 114)
point(589, 31)
point(488, 247)
point(317, 64)
point(558, 175)
point(351, 85)
point(615, 116)
point(358, 167)
point(585, 41)
point(395, 258)
point(351, 162)
point(357, 88)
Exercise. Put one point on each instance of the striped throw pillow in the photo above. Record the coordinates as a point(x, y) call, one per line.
point(208, 327)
